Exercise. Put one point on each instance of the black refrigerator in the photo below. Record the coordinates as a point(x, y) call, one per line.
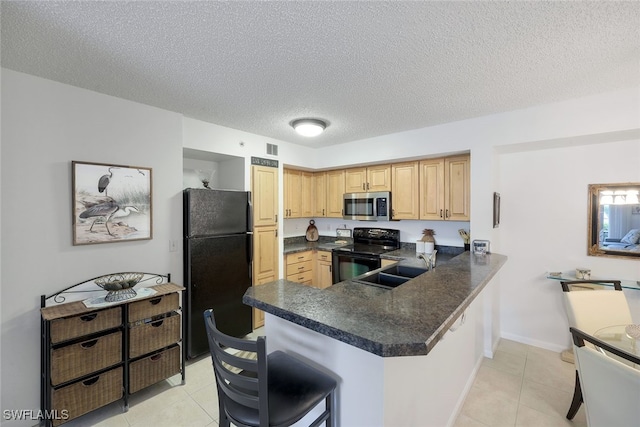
point(217, 263)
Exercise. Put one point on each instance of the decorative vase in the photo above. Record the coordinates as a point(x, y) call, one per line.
point(429, 240)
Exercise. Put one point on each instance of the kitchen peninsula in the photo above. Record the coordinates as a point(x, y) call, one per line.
point(404, 356)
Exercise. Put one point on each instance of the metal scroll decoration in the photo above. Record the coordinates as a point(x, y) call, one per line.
point(111, 203)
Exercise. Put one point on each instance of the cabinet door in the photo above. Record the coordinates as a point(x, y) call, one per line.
point(355, 180)
point(335, 193)
point(306, 199)
point(292, 193)
point(323, 270)
point(432, 189)
point(265, 262)
point(265, 253)
point(404, 195)
point(319, 194)
point(379, 178)
point(457, 197)
point(264, 191)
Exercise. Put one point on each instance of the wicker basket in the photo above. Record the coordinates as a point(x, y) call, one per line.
point(154, 368)
point(85, 324)
point(148, 308)
point(76, 360)
point(85, 396)
point(155, 335)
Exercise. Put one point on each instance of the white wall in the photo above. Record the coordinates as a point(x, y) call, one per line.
point(544, 228)
point(46, 125)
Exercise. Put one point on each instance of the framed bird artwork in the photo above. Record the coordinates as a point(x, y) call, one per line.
point(111, 203)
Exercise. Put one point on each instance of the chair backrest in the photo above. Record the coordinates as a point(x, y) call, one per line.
point(241, 382)
point(590, 310)
point(610, 389)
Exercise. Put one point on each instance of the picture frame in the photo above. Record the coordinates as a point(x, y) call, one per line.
point(496, 210)
point(111, 203)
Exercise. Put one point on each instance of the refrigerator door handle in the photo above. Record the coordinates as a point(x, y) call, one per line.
point(250, 249)
point(250, 214)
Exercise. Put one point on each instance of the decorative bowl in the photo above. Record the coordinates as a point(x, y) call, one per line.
point(119, 286)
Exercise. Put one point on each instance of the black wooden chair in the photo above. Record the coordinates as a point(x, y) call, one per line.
point(271, 390)
point(610, 387)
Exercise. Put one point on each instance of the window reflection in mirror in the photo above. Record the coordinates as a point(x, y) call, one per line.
point(614, 220)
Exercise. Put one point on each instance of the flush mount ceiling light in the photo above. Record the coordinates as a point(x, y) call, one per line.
point(309, 127)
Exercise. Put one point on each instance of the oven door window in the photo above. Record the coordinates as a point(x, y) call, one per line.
point(347, 267)
point(358, 207)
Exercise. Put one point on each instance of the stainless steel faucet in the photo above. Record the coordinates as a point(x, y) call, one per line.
point(429, 259)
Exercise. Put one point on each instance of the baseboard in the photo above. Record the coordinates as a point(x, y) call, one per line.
point(465, 392)
point(542, 344)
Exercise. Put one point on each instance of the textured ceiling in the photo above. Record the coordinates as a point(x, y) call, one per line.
point(367, 68)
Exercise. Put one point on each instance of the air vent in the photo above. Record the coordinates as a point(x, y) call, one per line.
point(272, 149)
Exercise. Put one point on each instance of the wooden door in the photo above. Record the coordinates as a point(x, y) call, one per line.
point(335, 193)
point(404, 193)
point(320, 194)
point(432, 189)
point(379, 178)
point(457, 189)
point(265, 262)
point(264, 193)
point(355, 180)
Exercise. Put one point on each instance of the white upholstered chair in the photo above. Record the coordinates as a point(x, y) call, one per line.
point(610, 388)
point(590, 310)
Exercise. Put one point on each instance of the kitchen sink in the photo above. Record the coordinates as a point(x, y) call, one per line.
point(390, 277)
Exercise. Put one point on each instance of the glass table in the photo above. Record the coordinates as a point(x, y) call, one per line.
point(617, 336)
point(562, 276)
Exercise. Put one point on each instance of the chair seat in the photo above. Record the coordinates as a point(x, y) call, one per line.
point(294, 389)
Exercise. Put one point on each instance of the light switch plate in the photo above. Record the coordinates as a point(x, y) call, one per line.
point(343, 232)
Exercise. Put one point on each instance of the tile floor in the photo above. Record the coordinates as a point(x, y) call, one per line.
point(521, 386)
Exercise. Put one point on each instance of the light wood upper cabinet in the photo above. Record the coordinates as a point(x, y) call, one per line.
point(445, 189)
point(335, 193)
point(457, 194)
point(264, 189)
point(298, 194)
point(404, 193)
point(372, 178)
point(319, 194)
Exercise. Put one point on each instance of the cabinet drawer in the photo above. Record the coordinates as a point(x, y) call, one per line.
point(299, 257)
point(152, 369)
point(324, 256)
point(75, 360)
point(148, 308)
point(85, 396)
point(299, 267)
point(78, 326)
point(154, 335)
point(304, 277)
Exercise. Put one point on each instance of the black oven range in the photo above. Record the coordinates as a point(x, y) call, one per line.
point(364, 254)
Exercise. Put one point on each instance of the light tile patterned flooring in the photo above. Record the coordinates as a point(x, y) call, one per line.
point(521, 386)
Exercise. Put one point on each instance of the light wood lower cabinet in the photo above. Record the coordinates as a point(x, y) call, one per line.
point(299, 267)
point(265, 262)
point(323, 270)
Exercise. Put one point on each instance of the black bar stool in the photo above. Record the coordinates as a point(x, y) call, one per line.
point(271, 390)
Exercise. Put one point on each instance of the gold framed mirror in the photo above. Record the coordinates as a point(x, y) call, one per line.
point(614, 220)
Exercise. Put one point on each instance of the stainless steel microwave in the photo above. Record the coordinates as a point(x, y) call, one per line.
point(367, 206)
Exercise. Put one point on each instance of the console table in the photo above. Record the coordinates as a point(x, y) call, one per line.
point(95, 353)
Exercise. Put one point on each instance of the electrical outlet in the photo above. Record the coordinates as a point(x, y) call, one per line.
point(173, 247)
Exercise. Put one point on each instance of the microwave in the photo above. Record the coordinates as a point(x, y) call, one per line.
point(367, 206)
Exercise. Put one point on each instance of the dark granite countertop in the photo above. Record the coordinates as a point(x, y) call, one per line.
point(406, 321)
point(293, 245)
